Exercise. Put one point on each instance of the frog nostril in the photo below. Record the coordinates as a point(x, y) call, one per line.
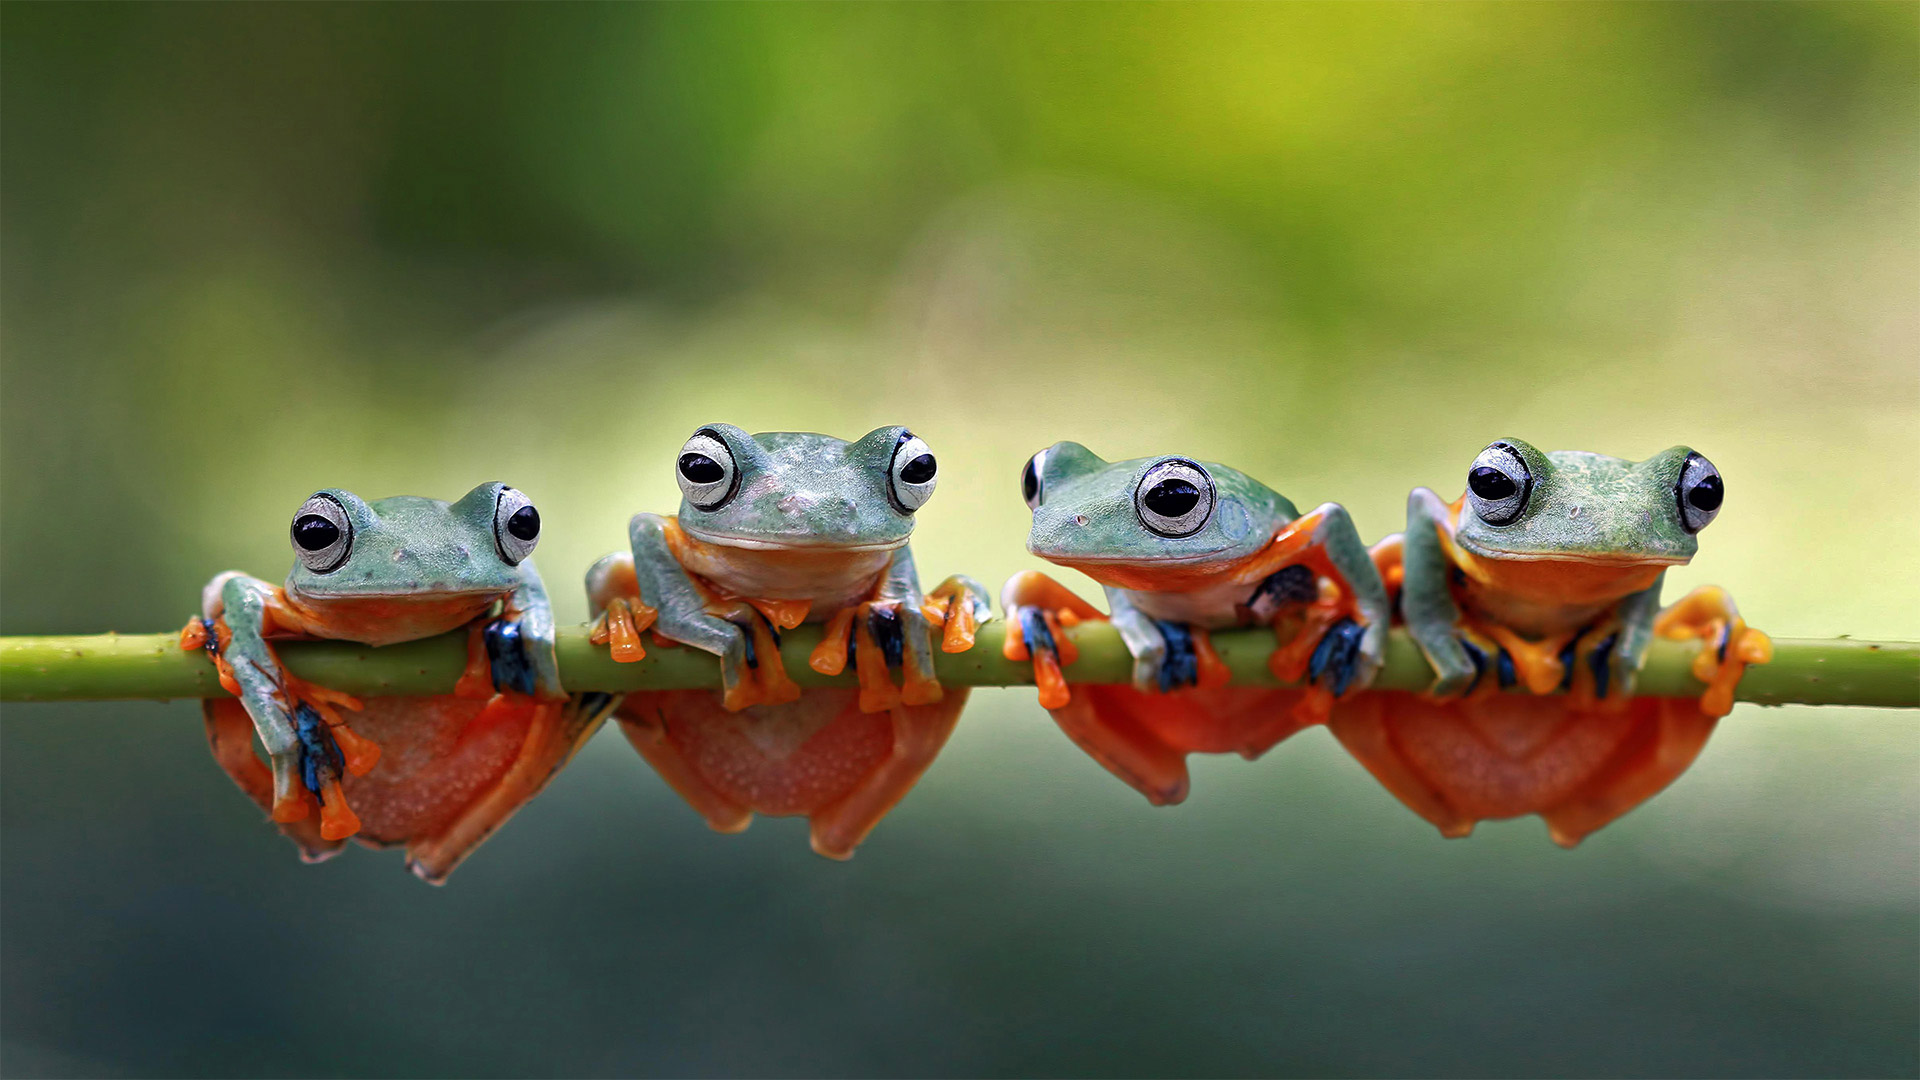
point(1079, 519)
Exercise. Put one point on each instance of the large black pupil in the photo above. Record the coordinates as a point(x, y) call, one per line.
point(314, 533)
point(525, 523)
point(1490, 483)
point(1029, 483)
point(1172, 497)
point(1706, 495)
point(919, 470)
point(701, 469)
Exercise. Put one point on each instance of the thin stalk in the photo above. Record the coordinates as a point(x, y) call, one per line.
point(108, 667)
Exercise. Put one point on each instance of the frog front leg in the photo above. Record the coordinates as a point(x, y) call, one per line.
point(681, 609)
point(897, 614)
point(1615, 662)
point(1351, 559)
point(307, 747)
point(1426, 599)
point(520, 642)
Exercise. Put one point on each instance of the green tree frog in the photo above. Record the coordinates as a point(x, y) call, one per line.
point(1184, 547)
point(437, 774)
point(1545, 576)
point(775, 530)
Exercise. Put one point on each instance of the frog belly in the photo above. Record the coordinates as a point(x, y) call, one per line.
point(1214, 607)
point(1456, 763)
point(830, 578)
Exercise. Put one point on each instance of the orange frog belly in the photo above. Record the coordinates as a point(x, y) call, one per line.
point(384, 620)
point(775, 759)
point(1456, 763)
point(433, 762)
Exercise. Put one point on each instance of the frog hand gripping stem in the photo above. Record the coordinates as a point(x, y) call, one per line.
point(1545, 576)
point(1184, 548)
point(437, 774)
point(776, 530)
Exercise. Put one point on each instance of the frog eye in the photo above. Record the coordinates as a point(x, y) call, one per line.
point(1175, 498)
point(322, 535)
point(910, 476)
point(1699, 493)
point(1498, 484)
point(706, 472)
point(516, 526)
point(1030, 480)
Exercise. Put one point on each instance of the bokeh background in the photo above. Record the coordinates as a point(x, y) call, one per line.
point(251, 250)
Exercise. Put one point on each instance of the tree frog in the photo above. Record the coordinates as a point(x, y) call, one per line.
point(435, 773)
point(1546, 575)
point(1184, 547)
point(775, 530)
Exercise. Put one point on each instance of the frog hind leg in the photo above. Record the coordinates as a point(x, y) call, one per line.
point(1365, 727)
point(230, 735)
point(823, 756)
point(553, 732)
point(644, 721)
point(1108, 722)
point(1668, 735)
point(1144, 737)
point(919, 733)
point(1459, 762)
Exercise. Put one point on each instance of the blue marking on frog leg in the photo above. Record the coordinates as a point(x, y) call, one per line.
point(1287, 585)
point(883, 622)
point(1597, 663)
point(1504, 669)
point(212, 642)
point(1336, 658)
point(1033, 630)
point(1566, 662)
point(1181, 665)
point(320, 757)
point(752, 654)
point(1726, 636)
point(1479, 658)
point(507, 657)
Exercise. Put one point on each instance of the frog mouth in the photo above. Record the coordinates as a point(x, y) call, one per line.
point(796, 542)
point(1593, 558)
point(426, 594)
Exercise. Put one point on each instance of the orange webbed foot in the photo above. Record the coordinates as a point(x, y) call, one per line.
point(1728, 643)
point(1038, 609)
point(619, 628)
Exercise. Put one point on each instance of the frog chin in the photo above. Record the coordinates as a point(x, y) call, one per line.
point(424, 594)
point(1590, 558)
point(796, 542)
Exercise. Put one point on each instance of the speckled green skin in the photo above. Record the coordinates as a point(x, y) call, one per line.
point(1626, 509)
point(796, 490)
point(1582, 506)
point(1087, 515)
point(402, 547)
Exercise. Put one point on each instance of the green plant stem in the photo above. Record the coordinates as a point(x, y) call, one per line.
point(105, 667)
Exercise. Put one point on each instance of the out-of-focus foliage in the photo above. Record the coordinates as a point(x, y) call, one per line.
point(254, 250)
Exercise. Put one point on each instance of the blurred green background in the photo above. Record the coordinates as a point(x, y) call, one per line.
point(254, 250)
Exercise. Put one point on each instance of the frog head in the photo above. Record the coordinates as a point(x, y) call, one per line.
point(346, 547)
point(789, 489)
point(1524, 504)
point(1145, 514)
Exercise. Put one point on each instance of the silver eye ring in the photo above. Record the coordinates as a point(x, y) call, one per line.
point(706, 472)
point(912, 473)
point(1175, 497)
point(516, 526)
point(1498, 484)
point(322, 534)
point(1698, 492)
